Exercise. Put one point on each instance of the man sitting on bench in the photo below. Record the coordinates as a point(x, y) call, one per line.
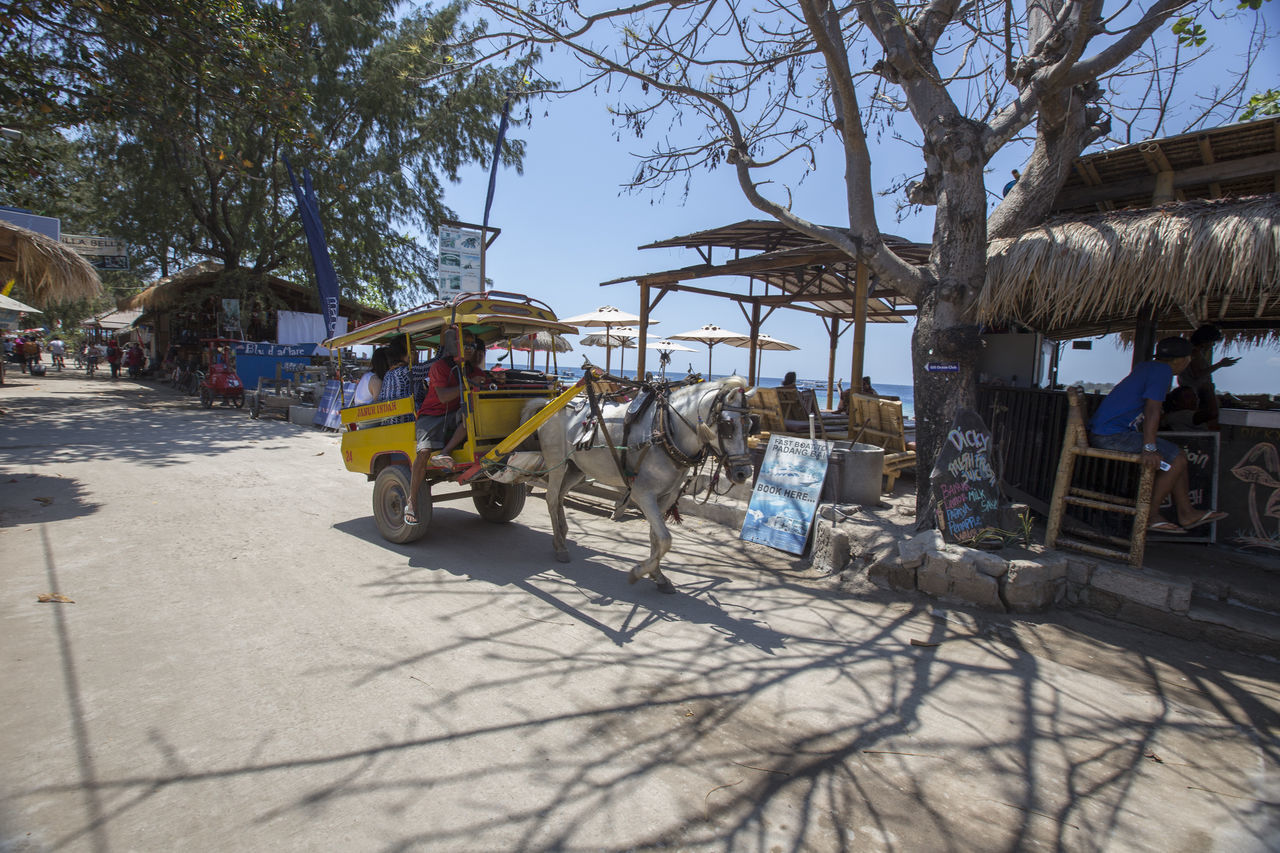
point(1127, 421)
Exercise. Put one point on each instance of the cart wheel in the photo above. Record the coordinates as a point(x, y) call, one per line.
point(238, 402)
point(498, 502)
point(389, 492)
point(206, 398)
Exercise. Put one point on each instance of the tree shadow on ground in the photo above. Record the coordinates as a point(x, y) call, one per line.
point(39, 499)
point(81, 422)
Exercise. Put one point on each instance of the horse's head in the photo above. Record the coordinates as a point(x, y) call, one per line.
point(727, 425)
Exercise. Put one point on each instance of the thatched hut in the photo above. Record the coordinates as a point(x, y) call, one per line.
point(1185, 264)
point(46, 271)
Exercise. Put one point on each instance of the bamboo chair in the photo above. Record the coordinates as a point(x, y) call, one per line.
point(879, 421)
point(1075, 443)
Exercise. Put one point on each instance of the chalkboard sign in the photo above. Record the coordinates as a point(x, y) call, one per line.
point(965, 480)
point(1201, 448)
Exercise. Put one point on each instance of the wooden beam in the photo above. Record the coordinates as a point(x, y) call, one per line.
point(1206, 154)
point(1144, 185)
point(644, 331)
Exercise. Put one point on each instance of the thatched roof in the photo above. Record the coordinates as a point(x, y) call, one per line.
point(47, 271)
point(1195, 262)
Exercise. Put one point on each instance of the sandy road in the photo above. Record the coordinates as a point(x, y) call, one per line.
point(248, 666)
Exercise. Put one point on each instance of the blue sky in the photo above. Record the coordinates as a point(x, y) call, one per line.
point(567, 227)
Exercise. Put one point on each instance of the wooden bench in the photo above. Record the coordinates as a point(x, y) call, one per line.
point(785, 411)
point(879, 421)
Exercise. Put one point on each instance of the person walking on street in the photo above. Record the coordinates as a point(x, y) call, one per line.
point(57, 352)
point(113, 358)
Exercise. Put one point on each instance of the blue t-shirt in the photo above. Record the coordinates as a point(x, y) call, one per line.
point(1122, 409)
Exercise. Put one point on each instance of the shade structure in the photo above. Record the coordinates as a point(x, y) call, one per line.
point(606, 317)
point(47, 271)
point(766, 342)
point(665, 348)
point(711, 334)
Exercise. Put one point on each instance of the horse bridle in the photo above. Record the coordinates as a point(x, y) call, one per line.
point(722, 415)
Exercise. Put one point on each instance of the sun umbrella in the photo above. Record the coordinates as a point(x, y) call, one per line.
point(765, 342)
point(623, 338)
point(605, 317)
point(665, 348)
point(711, 335)
point(547, 342)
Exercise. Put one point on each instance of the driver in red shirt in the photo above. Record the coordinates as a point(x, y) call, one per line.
point(440, 428)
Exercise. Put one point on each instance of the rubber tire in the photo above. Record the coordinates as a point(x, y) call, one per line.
point(238, 402)
point(206, 398)
point(389, 492)
point(499, 502)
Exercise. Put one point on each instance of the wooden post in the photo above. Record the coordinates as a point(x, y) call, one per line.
point(859, 326)
point(833, 332)
point(1144, 334)
point(755, 330)
point(644, 332)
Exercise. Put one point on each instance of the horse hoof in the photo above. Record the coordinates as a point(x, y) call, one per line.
point(666, 587)
point(631, 578)
point(562, 556)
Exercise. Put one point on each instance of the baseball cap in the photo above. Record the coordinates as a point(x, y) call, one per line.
point(1171, 348)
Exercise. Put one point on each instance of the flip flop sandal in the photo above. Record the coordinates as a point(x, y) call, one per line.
point(409, 517)
point(1209, 517)
point(1165, 527)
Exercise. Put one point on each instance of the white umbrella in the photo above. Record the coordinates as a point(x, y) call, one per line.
point(765, 342)
point(605, 317)
point(711, 335)
point(665, 348)
point(623, 338)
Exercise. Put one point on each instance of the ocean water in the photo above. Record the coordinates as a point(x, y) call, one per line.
point(906, 393)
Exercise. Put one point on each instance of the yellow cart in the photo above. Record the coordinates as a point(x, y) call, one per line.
point(378, 439)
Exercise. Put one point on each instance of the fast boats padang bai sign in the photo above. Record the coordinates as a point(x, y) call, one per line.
point(785, 499)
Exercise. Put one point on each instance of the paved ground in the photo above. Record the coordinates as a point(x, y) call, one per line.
point(248, 666)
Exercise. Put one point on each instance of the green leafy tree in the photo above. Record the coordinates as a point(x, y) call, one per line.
point(181, 125)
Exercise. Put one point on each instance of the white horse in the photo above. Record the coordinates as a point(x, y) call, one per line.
point(673, 434)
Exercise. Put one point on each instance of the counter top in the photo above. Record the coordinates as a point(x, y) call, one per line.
point(1249, 417)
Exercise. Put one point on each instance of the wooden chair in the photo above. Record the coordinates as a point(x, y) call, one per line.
point(1075, 444)
point(879, 421)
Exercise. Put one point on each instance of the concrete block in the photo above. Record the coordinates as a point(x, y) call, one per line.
point(1026, 593)
point(1180, 598)
point(830, 549)
point(1034, 572)
point(1106, 603)
point(1160, 620)
point(981, 590)
point(1079, 570)
point(302, 415)
point(933, 582)
point(913, 550)
point(1139, 586)
point(991, 565)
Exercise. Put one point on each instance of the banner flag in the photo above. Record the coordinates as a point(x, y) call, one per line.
point(497, 150)
point(326, 278)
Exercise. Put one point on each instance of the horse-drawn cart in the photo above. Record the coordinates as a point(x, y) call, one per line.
point(379, 438)
point(644, 448)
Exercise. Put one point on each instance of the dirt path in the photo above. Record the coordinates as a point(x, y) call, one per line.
point(248, 666)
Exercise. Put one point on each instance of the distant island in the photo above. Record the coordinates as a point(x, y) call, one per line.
point(1096, 387)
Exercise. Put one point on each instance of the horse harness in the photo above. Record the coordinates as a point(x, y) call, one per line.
point(661, 434)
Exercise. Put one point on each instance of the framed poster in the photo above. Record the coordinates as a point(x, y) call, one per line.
point(459, 260)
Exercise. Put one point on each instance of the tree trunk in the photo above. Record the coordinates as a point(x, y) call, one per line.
point(946, 343)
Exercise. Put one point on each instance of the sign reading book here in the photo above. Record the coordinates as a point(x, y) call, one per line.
point(785, 499)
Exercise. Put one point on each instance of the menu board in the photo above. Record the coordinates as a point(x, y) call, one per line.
point(966, 481)
point(459, 260)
